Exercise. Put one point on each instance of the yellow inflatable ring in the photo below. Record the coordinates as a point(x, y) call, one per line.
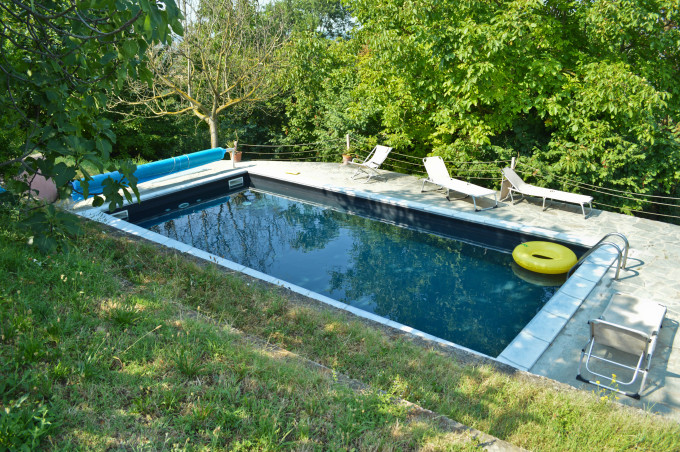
point(544, 257)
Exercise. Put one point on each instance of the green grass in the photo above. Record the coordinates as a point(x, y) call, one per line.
point(118, 345)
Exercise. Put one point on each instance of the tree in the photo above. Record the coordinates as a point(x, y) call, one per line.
point(58, 60)
point(589, 90)
point(328, 18)
point(319, 107)
point(228, 58)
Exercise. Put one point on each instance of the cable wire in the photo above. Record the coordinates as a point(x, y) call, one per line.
point(634, 210)
point(629, 197)
point(286, 153)
point(290, 145)
point(465, 173)
point(606, 188)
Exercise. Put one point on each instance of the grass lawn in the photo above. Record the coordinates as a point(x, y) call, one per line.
point(119, 345)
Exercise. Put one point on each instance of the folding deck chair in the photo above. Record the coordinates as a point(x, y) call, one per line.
point(628, 329)
point(517, 185)
point(369, 167)
point(437, 174)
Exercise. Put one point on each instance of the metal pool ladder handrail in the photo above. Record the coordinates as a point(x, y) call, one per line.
point(622, 255)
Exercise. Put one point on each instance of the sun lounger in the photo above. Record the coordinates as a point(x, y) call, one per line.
point(369, 167)
point(437, 174)
point(517, 185)
point(625, 337)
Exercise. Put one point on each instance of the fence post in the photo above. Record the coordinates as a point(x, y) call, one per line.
point(233, 154)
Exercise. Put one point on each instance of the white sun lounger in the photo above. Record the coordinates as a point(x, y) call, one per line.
point(630, 327)
point(437, 174)
point(369, 167)
point(517, 185)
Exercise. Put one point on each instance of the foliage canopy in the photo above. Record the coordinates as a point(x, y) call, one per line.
point(58, 60)
point(588, 90)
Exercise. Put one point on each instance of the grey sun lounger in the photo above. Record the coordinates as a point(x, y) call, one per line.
point(369, 167)
point(437, 174)
point(517, 185)
point(625, 337)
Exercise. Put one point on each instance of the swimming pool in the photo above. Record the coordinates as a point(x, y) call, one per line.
point(454, 281)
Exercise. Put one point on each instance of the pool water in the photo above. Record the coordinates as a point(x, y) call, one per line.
point(464, 293)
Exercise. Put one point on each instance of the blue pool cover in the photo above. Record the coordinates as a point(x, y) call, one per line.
point(150, 171)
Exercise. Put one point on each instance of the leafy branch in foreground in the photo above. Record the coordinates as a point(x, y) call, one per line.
point(58, 61)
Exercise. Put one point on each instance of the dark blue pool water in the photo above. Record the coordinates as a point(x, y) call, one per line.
point(464, 293)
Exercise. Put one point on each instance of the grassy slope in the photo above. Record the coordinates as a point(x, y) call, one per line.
point(105, 344)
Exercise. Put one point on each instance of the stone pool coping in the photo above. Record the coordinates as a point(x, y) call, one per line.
point(522, 353)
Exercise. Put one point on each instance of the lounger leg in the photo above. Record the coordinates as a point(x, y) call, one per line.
point(422, 189)
point(590, 209)
point(644, 381)
point(365, 171)
point(580, 364)
point(455, 199)
point(495, 198)
point(374, 174)
point(637, 370)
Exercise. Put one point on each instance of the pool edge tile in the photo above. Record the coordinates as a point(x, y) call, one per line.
point(562, 305)
point(578, 287)
point(524, 350)
point(155, 237)
point(177, 245)
point(510, 363)
point(545, 326)
point(592, 272)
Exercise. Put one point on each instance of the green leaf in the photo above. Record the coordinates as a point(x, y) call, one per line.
point(45, 243)
point(147, 25)
point(104, 146)
point(108, 57)
point(62, 174)
point(130, 48)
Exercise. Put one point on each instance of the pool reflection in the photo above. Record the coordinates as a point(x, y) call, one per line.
point(467, 294)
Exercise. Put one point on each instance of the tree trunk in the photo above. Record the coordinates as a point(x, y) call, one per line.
point(214, 124)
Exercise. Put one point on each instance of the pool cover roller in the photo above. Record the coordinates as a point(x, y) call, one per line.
point(153, 170)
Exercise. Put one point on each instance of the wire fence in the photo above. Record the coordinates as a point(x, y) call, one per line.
point(612, 192)
point(488, 172)
point(608, 193)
